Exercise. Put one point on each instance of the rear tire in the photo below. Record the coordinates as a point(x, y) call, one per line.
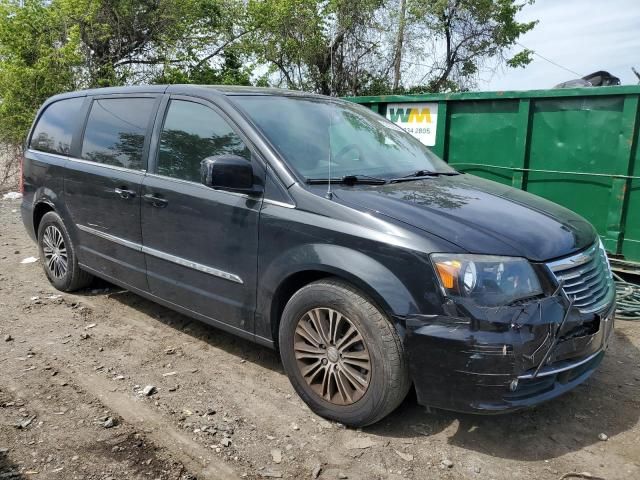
point(58, 255)
point(342, 354)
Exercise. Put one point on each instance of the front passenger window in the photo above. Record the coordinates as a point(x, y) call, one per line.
point(191, 133)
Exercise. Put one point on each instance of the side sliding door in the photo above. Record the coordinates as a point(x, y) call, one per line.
point(102, 185)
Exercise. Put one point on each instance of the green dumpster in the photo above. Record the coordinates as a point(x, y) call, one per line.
point(576, 147)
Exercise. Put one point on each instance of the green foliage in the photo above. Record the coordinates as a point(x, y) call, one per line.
point(39, 54)
point(288, 36)
point(48, 47)
point(338, 47)
point(521, 59)
point(470, 32)
point(232, 72)
point(317, 45)
point(120, 37)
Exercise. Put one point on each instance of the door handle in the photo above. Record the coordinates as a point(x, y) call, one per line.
point(155, 201)
point(125, 193)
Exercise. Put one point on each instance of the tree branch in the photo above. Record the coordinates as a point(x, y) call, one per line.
point(139, 61)
point(221, 48)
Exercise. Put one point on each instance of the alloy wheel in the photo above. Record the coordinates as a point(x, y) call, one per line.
point(332, 356)
point(55, 251)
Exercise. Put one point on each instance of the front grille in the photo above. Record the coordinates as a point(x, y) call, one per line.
point(587, 279)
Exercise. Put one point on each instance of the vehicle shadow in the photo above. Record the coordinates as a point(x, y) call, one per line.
point(232, 344)
point(8, 469)
point(606, 403)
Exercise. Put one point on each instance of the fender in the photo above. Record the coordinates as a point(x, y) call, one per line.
point(362, 271)
point(56, 202)
point(44, 183)
point(48, 196)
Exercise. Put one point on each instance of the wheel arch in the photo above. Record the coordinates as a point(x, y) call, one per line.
point(40, 209)
point(363, 272)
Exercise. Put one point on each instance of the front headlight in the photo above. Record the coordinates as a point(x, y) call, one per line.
point(488, 280)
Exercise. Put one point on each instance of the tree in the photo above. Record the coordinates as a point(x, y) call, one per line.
point(231, 72)
point(459, 37)
point(331, 47)
point(127, 41)
point(397, 53)
point(39, 53)
point(355, 47)
point(53, 46)
point(334, 47)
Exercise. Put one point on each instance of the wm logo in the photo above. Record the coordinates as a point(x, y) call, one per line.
point(408, 115)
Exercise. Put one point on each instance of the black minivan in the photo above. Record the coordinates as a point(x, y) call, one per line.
point(315, 226)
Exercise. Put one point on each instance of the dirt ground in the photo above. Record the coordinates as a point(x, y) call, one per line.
point(73, 368)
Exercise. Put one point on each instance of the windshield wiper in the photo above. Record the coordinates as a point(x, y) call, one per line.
point(349, 180)
point(421, 174)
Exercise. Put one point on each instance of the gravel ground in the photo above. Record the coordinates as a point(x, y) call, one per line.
point(74, 402)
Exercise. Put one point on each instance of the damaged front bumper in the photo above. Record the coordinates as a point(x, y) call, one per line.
point(488, 359)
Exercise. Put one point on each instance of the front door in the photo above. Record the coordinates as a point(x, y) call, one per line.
point(102, 187)
point(200, 244)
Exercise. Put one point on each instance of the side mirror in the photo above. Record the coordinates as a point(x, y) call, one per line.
point(228, 172)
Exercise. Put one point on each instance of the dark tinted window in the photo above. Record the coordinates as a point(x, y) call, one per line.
point(191, 133)
point(115, 131)
point(53, 131)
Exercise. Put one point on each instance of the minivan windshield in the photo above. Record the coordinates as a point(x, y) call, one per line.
point(308, 132)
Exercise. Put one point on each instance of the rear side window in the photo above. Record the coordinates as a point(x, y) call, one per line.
point(191, 133)
point(115, 131)
point(53, 131)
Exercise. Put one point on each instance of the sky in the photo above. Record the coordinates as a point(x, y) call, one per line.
point(581, 35)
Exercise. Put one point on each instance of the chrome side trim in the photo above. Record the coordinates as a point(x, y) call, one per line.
point(155, 175)
point(200, 185)
point(106, 165)
point(194, 265)
point(54, 155)
point(145, 293)
point(89, 162)
point(279, 204)
point(561, 369)
point(112, 238)
point(163, 255)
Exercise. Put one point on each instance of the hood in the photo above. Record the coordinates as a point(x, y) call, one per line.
point(477, 215)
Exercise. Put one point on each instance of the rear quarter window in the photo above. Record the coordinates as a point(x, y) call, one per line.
point(53, 132)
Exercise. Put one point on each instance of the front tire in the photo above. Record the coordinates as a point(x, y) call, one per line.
point(342, 354)
point(58, 255)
